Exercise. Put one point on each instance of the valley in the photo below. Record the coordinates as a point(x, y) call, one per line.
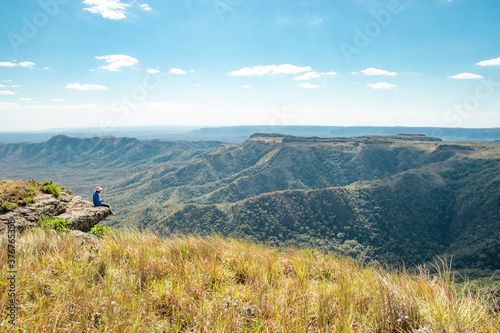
point(393, 199)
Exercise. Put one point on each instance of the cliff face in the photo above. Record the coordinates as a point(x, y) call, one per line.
point(81, 212)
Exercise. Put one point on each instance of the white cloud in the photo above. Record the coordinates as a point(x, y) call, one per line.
point(177, 71)
point(117, 61)
point(247, 86)
point(376, 71)
point(22, 64)
point(2, 86)
point(85, 87)
point(57, 100)
point(491, 62)
point(331, 73)
point(152, 71)
point(307, 85)
point(7, 92)
point(197, 85)
point(463, 76)
point(146, 7)
point(15, 86)
point(270, 69)
point(110, 9)
point(382, 85)
point(27, 64)
point(25, 99)
point(307, 76)
point(46, 68)
point(7, 64)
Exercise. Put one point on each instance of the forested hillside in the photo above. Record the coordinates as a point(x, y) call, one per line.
point(390, 198)
point(80, 163)
point(400, 198)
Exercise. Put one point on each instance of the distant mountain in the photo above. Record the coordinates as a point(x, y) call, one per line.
point(267, 163)
point(238, 134)
point(81, 163)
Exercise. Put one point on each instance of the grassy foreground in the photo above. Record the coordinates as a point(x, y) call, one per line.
point(137, 282)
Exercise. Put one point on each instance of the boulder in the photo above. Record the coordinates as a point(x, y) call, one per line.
point(20, 222)
point(81, 212)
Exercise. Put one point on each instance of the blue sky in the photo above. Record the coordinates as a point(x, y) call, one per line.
point(109, 63)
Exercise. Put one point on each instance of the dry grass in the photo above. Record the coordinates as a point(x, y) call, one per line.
point(137, 282)
point(16, 191)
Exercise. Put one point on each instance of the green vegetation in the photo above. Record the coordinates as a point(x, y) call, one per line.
point(6, 207)
point(50, 187)
point(58, 224)
point(100, 230)
point(31, 198)
point(138, 282)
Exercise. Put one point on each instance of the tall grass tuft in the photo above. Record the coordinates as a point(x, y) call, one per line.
point(137, 282)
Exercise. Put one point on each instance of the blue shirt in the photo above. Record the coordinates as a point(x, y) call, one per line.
point(96, 198)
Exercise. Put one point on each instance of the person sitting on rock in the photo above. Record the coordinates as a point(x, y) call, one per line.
point(98, 202)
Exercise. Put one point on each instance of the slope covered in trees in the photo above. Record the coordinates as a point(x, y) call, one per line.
point(392, 198)
point(386, 198)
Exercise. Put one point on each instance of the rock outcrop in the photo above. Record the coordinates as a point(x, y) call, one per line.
point(81, 212)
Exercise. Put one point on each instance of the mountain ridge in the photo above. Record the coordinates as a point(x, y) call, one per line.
point(390, 198)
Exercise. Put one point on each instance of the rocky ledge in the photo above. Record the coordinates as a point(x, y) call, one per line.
point(81, 212)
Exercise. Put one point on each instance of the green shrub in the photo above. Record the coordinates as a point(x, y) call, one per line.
point(7, 207)
point(51, 188)
point(57, 224)
point(31, 191)
point(29, 200)
point(100, 230)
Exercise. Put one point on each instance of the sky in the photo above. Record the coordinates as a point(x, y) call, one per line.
point(112, 63)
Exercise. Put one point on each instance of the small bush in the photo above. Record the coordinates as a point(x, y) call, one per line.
point(29, 200)
point(7, 207)
point(58, 224)
point(31, 191)
point(50, 187)
point(100, 230)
